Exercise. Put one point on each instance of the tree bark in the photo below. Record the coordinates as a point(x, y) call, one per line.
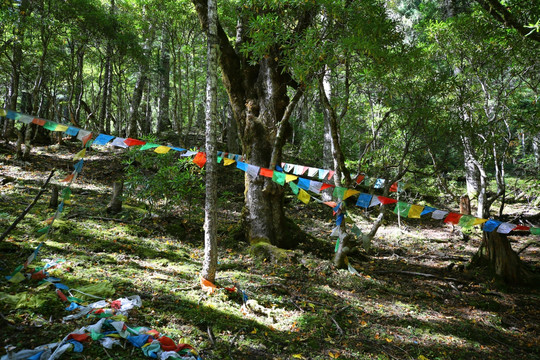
point(496, 253)
point(115, 205)
point(163, 121)
point(134, 113)
point(210, 212)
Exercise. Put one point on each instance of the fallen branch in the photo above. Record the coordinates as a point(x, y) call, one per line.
point(414, 273)
point(28, 208)
point(527, 245)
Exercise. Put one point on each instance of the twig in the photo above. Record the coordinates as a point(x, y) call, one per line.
point(339, 329)
point(419, 274)
point(211, 335)
point(233, 342)
point(28, 208)
point(526, 246)
point(298, 307)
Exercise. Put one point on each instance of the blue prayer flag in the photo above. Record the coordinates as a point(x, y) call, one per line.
point(303, 183)
point(364, 200)
point(102, 139)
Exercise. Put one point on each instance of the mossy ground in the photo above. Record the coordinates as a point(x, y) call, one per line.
point(301, 307)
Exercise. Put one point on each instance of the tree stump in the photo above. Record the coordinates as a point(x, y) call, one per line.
point(53, 202)
point(115, 205)
point(496, 253)
point(465, 205)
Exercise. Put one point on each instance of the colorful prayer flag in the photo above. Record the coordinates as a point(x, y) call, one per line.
point(402, 208)
point(289, 178)
point(39, 122)
point(303, 196)
point(148, 146)
point(386, 200)
point(315, 186)
point(360, 178)
point(49, 125)
point(374, 201)
point(102, 139)
point(294, 188)
point(25, 119)
point(339, 192)
point(491, 225)
point(227, 161)
point(162, 149)
point(427, 210)
point(267, 172)
point(349, 193)
point(200, 159)
point(241, 165)
point(322, 173)
point(363, 200)
point(279, 177)
point(415, 211)
point(303, 183)
point(312, 171)
point(453, 218)
point(61, 128)
point(535, 231)
point(253, 170)
point(133, 142)
point(505, 228)
point(379, 184)
point(466, 221)
point(439, 214)
point(394, 187)
point(326, 186)
point(71, 131)
point(80, 154)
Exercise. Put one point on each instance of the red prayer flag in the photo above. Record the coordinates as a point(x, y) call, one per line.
point(453, 218)
point(332, 204)
point(61, 296)
point(386, 200)
point(86, 139)
point(394, 187)
point(200, 159)
point(521, 228)
point(39, 122)
point(79, 337)
point(267, 172)
point(326, 186)
point(360, 178)
point(133, 142)
point(68, 178)
point(330, 174)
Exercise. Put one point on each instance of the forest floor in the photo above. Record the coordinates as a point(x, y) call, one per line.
point(411, 299)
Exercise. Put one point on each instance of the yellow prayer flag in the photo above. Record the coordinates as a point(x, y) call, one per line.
point(162, 149)
point(349, 193)
point(479, 221)
point(80, 154)
point(3, 112)
point(227, 161)
point(61, 128)
point(289, 178)
point(303, 196)
point(415, 211)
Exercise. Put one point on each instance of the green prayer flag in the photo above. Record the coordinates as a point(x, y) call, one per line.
point(279, 178)
point(66, 193)
point(535, 231)
point(294, 188)
point(96, 336)
point(337, 245)
point(148, 146)
point(466, 221)
point(49, 125)
point(75, 299)
point(402, 208)
point(219, 158)
point(339, 192)
point(44, 230)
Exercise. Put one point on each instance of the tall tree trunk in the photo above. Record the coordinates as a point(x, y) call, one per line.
point(163, 121)
point(496, 253)
point(536, 148)
point(210, 218)
point(134, 112)
point(328, 148)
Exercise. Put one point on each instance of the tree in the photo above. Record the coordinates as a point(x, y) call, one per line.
point(210, 211)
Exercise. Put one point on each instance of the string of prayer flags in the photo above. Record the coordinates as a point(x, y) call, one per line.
point(162, 149)
point(505, 228)
point(364, 200)
point(415, 211)
point(279, 178)
point(491, 225)
point(439, 214)
point(402, 209)
point(102, 139)
point(386, 200)
point(200, 159)
point(453, 218)
point(303, 196)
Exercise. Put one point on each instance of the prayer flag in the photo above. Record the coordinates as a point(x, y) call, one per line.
point(39, 122)
point(336, 231)
point(331, 174)
point(337, 245)
point(304, 183)
point(505, 228)
point(133, 142)
point(349, 193)
point(80, 154)
point(453, 218)
point(367, 181)
point(71, 131)
point(119, 142)
point(253, 170)
point(402, 208)
point(294, 188)
point(102, 139)
point(363, 200)
point(279, 177)
point(25, 119)
point(49, 125)
point(356, 230)
point(3, 112)
point(298, 169)
point(427, 210)
point(288, 167)
point(386, 200)
point(227, 161)
point(148, 146)
point(162, 149)
point(400, 187)
point(379, 184)
point(332, 204)
point(66, 193)
point(360, 178)
point(326, 186)
point(374, 201)
point(219, 159)
point(339, 192)
point(178, 149)
point(439, 214)
point(12, 115)
point(241, 165)
point(267, 173)
point(86, 139)
point(466, 221)
point(61, 128)
point(315, 186)
point(312, 171)
point(82, 133)
point(415, 211)
point(322, 173)
point(78, 166)
point(535, 231)
point(394, 187)
point(200, 159)
point(521, 228)
point(289, 178)
point(68, 178)
point(304, 169)
point(478, 221)
point(303, 196)
point(339, 219)
point(191, 153)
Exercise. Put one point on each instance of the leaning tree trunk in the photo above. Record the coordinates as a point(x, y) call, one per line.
point(496, 253)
